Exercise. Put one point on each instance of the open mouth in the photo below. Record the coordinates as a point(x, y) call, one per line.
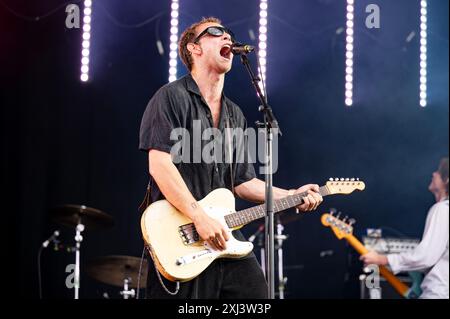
point(225, 52)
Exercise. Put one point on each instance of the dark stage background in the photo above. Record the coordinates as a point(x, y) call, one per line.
point(68, 142)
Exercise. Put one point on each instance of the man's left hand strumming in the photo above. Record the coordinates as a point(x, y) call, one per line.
point(254, 191)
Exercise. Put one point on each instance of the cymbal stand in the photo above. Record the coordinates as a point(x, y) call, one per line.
point(281, 278)
point(126, 293)
point(78, 240)
point(280, 237)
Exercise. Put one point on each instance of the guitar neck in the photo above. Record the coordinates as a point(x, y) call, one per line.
point(399, 286)
point(248, 215)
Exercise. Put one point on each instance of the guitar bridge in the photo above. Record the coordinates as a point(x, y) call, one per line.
point(188, 234)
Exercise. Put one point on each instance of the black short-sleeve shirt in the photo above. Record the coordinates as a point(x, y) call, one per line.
point(179, 109)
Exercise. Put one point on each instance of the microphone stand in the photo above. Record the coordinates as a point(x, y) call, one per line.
point(78, 240)
point(270, 124)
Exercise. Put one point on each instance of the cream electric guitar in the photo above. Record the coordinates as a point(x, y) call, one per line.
point(343, 229)
point(175, 246)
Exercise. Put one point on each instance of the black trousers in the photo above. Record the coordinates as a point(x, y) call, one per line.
point(223, 279)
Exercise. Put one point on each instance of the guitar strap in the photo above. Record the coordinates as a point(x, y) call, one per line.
point(230, 145)
point(147, 197)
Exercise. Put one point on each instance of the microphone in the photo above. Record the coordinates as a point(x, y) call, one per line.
point(50, 239)
point(240, 48)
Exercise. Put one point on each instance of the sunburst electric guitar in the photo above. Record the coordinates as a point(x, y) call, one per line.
point(175, 246)
point(343, 229)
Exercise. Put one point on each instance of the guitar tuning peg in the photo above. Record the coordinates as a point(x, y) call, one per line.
point(357, 179)
point(347, 179)
point(353, 179)
point(331, 179)
point(342, 179)
point(351, 221)
point(338, 215)
point(332, 211)
point(345, 218)
point(336, 179)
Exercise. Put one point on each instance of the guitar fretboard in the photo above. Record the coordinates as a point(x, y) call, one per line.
point(248, 215)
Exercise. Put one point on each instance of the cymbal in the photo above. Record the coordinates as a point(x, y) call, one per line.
point(91, 218)
point(113, 270)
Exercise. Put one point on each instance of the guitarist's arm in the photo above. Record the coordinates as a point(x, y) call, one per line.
point(177, 193)
point(427, 253)
point(254, 191)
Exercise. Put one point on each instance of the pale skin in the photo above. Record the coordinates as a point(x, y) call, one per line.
point(439, 189)
point(208, 71)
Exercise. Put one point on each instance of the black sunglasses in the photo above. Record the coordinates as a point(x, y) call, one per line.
point(216, 32)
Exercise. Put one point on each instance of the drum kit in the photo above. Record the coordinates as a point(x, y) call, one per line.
point(127, 272)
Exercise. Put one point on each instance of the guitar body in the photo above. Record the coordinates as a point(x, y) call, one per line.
point(175, 259)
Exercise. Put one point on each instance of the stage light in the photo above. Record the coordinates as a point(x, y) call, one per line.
point(173, 54)
point(173, 71)
point(423, 53)
point(349, 53)
point(84, 69)
point(85, 44)
point(262, 46)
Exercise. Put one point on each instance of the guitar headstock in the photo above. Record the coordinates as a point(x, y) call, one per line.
point(344, 185)
point(342, 228)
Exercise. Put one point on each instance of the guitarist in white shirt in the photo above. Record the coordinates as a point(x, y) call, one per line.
point(431, 255)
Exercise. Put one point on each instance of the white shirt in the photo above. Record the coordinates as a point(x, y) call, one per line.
point(431, 255)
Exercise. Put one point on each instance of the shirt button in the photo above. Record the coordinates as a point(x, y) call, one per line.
point(208, 115)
